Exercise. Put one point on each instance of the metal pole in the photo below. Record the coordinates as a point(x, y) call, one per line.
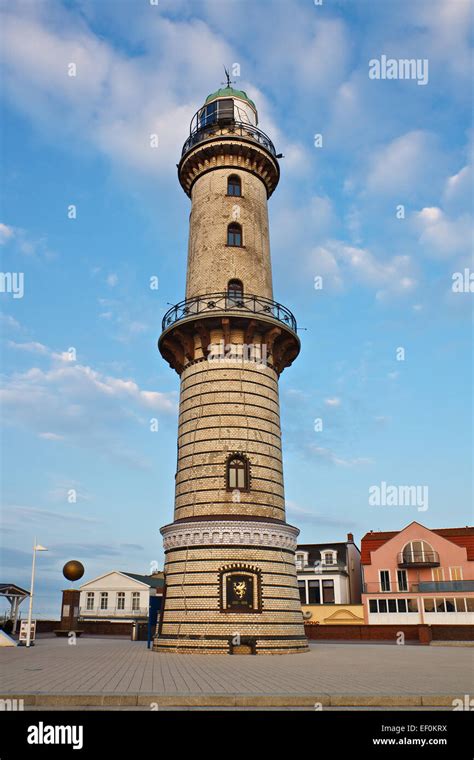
point(30, 609)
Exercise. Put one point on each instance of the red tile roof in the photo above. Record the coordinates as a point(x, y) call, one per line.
point(460, 536)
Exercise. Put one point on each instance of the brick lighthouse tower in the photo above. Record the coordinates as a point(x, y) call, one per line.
point(230, 571)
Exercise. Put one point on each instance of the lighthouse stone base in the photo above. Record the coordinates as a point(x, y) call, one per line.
point(231, 588)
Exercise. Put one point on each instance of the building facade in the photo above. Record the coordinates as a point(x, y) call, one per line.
point(119, 596)
point(419, 575)
point(329, 576)
point(230, 570)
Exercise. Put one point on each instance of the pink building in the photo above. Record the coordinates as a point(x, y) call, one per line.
point(418, 575)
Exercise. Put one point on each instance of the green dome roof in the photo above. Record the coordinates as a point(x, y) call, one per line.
point(223, 92)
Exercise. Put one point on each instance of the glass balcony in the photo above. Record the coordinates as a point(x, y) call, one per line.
point(434, 586)
point(418, 559)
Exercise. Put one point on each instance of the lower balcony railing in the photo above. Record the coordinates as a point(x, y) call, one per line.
point(218, 302)
point(434, 586)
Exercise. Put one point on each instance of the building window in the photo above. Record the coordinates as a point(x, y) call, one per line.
point(412, 605)
point(302, 590)
point(120, 600)
point(438, 574)
point(450, 605)
point(429, 605)
point(208, 115)
point(300, 560)
point(470, 603)
point(328, 558)
point(455, 573)
point(402, 605)
point(440, 605)
point(460, 604)
point(382, 605)
point(135, 601)
point(235, 292)
point(234, 185)
point(237, 474)
point(314, 592)
point(234, 234)
point(402, 580)
point(373, 605)
point(392, 605)
point(104, 600)
point(328, 592)
point(384, 580)
point(90, 600)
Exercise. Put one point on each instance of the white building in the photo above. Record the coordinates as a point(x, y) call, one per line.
point(329, 573)
point(119, 596)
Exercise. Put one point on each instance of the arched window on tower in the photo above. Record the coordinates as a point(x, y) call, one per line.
point(235, 293)
point(234, 185)
point(237, 473)
point(234, 234)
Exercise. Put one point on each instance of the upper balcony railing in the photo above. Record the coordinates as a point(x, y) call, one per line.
point(218, 302)
point(227, 129)
point(418, 559)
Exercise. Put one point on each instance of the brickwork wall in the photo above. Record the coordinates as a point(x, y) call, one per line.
point(211, 263)
point(226, 407)
point(193, 607)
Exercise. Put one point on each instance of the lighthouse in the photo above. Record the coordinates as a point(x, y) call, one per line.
point(230, 575)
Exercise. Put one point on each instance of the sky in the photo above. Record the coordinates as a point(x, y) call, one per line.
point(379, 207)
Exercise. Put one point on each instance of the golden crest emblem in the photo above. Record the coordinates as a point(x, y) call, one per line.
point(240, 587)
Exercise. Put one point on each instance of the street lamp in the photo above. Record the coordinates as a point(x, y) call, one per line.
point(36, 548)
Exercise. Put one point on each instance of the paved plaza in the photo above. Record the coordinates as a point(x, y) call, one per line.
point(118, 672)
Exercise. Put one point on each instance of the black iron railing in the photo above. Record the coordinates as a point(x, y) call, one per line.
point(237, 128)
point(218, 302)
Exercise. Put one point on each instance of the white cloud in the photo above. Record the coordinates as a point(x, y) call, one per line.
point(115, 101)
point(404, 166)
point(330, 457)
point(440, 236)
point(332, 401)
point(6, 233)
point(112, 279)
point(76, 404)
point(347, 264)
point(9, 322)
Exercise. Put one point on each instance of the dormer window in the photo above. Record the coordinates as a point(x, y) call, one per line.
point(301, 560)
point(329, 557)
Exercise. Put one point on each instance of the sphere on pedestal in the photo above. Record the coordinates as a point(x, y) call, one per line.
point(73, 570)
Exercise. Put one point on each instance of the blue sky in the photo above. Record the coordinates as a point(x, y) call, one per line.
point(143, 69)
